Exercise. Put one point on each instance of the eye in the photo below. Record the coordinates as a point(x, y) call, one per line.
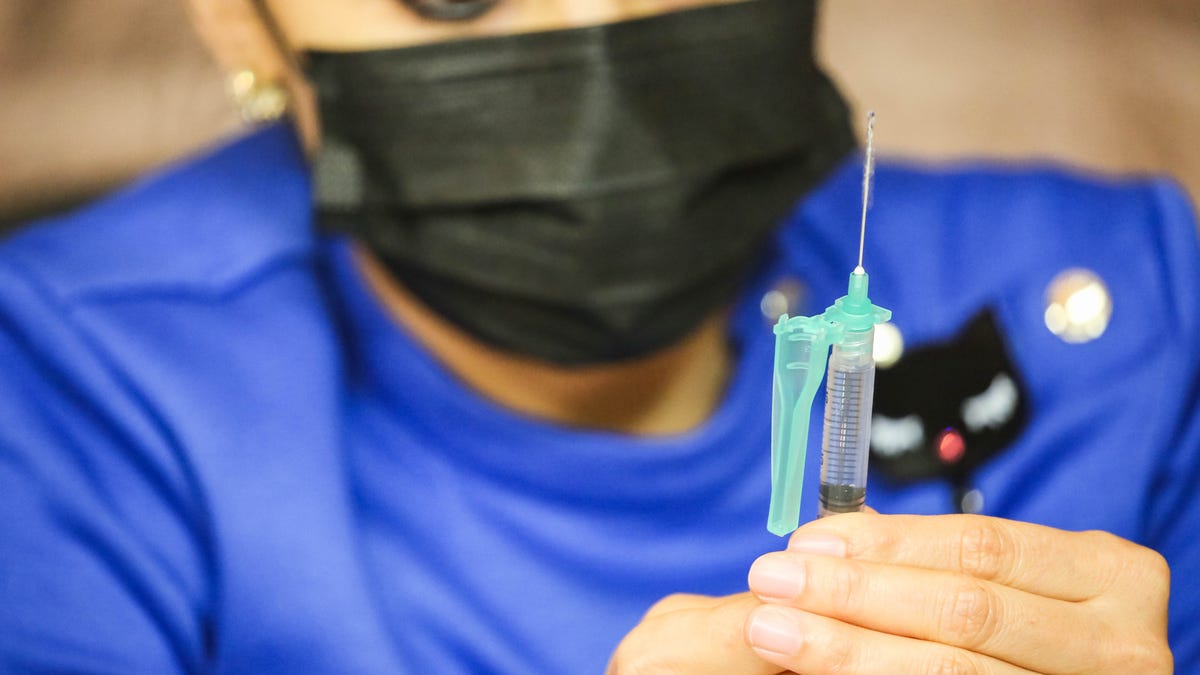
point(891, 437)
point(994, 407)
point(450, 10)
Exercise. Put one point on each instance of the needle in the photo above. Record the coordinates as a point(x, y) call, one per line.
point(868, 172)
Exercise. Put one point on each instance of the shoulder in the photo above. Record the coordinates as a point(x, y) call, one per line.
point(110, 316)
point(201, 226)
point(120, 331)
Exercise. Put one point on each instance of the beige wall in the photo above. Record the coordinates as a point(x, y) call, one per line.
point(1108, 84)
point(94, 91)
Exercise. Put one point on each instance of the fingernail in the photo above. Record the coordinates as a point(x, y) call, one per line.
point(775, 576)
point(775, 630)
point(818, 544)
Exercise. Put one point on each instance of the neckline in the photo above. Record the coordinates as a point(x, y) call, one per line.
point(391, 364)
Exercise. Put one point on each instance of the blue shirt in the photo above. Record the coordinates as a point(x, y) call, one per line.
point(218, 453)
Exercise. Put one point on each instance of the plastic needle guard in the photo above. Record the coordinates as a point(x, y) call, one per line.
point(802, 346)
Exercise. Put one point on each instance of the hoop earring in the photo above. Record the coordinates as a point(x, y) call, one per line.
point(259, 101)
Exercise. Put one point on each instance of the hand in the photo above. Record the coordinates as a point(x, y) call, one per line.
point(692, 634)
point(867, 593)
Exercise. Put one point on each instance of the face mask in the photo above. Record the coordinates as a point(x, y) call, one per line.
point(585, 195)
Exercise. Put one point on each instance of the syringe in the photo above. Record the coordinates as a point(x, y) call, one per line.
point(802, 347)
point(849, 393)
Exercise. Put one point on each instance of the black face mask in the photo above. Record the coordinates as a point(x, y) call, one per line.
point(584, 195)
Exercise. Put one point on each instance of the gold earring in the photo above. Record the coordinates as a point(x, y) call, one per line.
point(259, 101)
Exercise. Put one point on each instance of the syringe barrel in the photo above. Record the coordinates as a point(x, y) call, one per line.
point(850, 390)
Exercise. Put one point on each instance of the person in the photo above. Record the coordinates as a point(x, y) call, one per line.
point(467, 371)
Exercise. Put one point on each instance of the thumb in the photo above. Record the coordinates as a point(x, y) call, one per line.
point(692, 634)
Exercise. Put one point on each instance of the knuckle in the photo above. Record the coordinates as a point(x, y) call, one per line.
point(638, 654)
point(1113, 562)
point(671, 603)
point(1106, 542)
point(726, 633)
point(838, 655)
point(1151, 655)
point(1155, 571)
point(842, 585)
point(621, 665)
point(626, 660)
point(1157, 660)
point(982, 548)
point(1160, 660)
point(871, 538)
point(968, 615)
point(1132, 566)
point(1142, 573)
point(953, 662)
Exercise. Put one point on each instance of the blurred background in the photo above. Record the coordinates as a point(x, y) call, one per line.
point(94, 92)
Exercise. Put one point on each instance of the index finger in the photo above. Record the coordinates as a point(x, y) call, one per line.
point(1072, 566)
